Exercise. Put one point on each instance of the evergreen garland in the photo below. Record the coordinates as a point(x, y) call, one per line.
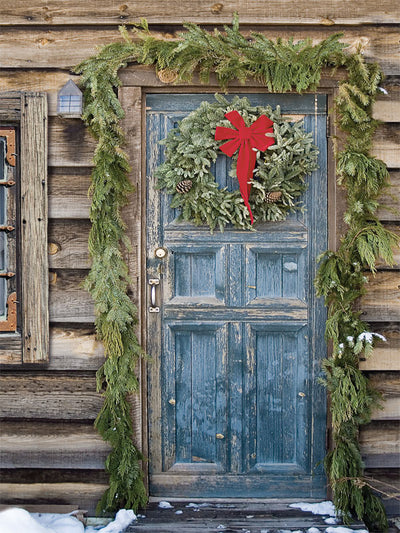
point(281, 66)
point(191, 148)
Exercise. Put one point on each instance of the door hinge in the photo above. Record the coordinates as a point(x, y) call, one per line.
point(9, 134)
point(10, 324)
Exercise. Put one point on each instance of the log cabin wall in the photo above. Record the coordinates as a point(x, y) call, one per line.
point(50, 451)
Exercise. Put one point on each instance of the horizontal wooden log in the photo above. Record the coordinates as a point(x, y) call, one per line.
point(68, 193)
point(386, 354)
point(46, 396)
point(63, 48)
point(382, 301)
point(68, 301)
point(79, 495)
point(201, 12)
point(68, 244)
point(74, 349)
point(390, 200)
point(51, 445)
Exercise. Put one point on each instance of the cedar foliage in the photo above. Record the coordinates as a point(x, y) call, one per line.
point(281, 66)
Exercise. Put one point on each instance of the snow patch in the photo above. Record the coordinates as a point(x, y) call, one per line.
point(179, 512)
point(313, 530)
point(165, 505)
point(342, 529)
point(322, 508)
point(18, 520)
point(331, 521)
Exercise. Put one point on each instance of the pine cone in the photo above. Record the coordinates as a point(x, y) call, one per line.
point(184, 186)
point(166, 75)
point(272, 197)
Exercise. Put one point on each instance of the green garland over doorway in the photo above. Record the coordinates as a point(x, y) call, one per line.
point(280, 66)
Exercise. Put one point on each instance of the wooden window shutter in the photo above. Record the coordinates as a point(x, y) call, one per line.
point(30, 343)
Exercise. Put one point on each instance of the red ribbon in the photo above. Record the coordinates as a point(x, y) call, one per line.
point(248, 140)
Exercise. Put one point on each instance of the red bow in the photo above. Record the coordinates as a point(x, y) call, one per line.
point(248, 140)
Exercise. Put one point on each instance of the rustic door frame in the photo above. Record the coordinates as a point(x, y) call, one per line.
point(137, 81)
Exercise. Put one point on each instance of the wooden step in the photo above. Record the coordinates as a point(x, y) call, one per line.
point(228, 517)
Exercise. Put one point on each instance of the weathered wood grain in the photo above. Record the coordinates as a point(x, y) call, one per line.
point(201, 12)
point(387, 106)
point(388, 383)
point(51, 445)
point(10, 349)
point(63, 48)
point(386, 355)
point(68, 193)
point(33, 239)
point(10, 105)
point(49, 81)
point(68, 301)
point(382, 301)
point(47, 396)
point(80, 495)
point(390, 200)
point(68, 244)
point(70, 144)
point(380, 444)
point(386, 145)
point(74, 349)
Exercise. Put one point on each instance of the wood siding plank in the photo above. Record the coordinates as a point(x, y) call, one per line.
point(387, 106)
point(388, 383)
point(201, 12)
point(382, 301)
point(70, 143)
point(51, 397)
point(63, 48)
point(80, 495)
point(68, 193)
point(68, 244)
point(51, 445)
point(386, 145)
point(390, 200)
point(33, 223)
point(68, 301)
point(386, 355)
point(75, 349)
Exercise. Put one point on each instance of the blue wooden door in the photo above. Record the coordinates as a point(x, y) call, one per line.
point(235, 409)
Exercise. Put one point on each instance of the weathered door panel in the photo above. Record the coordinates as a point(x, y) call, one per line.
point(234, 404)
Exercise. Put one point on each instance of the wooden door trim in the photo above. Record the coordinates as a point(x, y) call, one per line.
point(137, 82)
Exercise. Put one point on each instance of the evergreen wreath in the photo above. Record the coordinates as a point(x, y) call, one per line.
point(281, 66)
point(191, 149)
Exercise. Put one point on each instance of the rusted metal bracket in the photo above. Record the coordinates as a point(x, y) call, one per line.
point(9, 134)
point(7, 228)
point(9, 183)
point(7, 275)
point(11, 323)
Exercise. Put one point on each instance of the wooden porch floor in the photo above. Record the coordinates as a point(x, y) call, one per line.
point(229, 517)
